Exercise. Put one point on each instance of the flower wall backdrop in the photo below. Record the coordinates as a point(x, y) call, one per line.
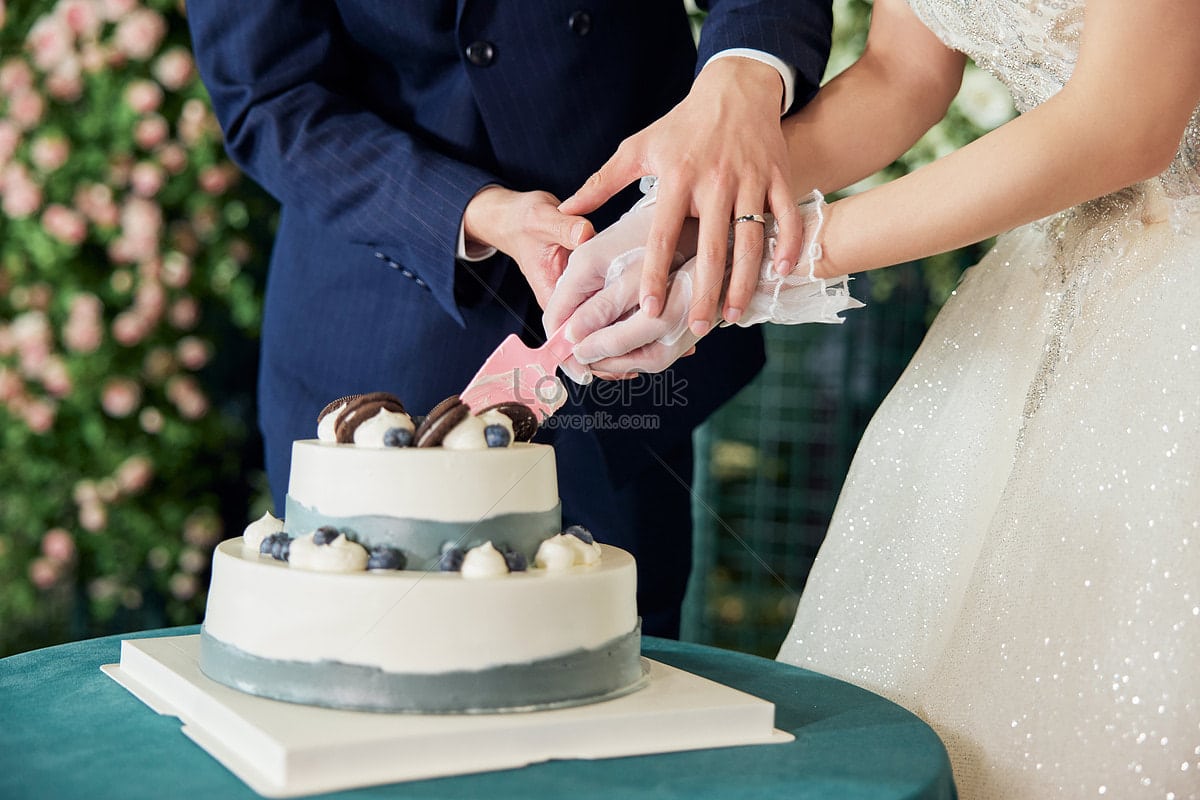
point(131, 258)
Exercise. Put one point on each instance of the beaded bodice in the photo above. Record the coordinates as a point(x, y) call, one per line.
point(1031, 46)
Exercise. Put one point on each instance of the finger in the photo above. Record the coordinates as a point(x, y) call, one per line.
point(789, 239)
point(710, 265)
point(585, 272)
point(554, 261)
point(653, 357)
point(623, 168)
point(576, 371)
point(597, 313)
point(669, 214)
point(617, 339)
point(748, 240)
point(567, 230)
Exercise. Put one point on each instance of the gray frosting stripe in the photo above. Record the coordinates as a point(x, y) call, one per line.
point(421, 540)
point(583, 676)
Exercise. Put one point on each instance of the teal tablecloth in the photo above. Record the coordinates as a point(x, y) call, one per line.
point(69, 731)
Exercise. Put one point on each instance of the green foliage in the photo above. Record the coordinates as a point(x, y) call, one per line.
point(131, 263)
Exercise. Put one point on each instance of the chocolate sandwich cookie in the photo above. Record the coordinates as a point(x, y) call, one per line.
point(336, 404)
point(360, 409)
point(440, 421)
point(524, 421)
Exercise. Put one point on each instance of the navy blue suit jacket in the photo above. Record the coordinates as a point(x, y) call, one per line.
point(374, 122)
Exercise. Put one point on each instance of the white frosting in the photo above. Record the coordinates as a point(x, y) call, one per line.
point(466, 435)
point(563, 551)
point(339, 555)
point(371, 431)
point(327, 425)
point(484, 561)
point(341, 480)
point(260, 529)
point(417, 621)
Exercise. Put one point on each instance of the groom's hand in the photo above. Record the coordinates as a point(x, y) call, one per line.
point(717, 154)
point(528, 227)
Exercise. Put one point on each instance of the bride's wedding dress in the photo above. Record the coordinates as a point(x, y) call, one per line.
point(1016, 553)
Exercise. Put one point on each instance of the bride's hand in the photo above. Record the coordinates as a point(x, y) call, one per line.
point(617, 339)
point(720, 153)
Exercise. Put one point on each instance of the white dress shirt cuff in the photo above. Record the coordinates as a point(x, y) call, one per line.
point(476, 252)
point(786, 71)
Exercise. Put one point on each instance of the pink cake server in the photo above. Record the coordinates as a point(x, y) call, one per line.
point(518, 373)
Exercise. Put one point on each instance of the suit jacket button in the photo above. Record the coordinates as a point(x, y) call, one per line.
point(580, 23)
point(480, 54)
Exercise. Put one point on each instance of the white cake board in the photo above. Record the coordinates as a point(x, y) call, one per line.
point(287, 750)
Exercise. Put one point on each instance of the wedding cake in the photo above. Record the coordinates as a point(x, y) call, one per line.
point(421, 566)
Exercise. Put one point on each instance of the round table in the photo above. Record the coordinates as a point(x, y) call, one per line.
point(69, 731)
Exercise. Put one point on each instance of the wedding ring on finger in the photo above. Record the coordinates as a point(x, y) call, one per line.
point(759, 218)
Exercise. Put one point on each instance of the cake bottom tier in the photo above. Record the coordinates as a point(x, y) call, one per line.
point(422, 642)
point(585, 676)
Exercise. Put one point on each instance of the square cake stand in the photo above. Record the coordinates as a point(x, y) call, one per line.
point(286, 750)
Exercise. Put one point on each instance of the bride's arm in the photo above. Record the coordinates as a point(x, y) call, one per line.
point(871, 113)
point(1119, 120)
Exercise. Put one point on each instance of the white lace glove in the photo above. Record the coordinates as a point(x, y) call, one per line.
point(612, 340)
point(617, 251)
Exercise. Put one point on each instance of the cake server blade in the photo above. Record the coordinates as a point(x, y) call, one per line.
point(518, 373)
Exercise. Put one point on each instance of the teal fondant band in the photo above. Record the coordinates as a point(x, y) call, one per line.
point(584, 676)
point(421, 540)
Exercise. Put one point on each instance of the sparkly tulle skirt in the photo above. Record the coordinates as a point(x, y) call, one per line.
point(1015, 556)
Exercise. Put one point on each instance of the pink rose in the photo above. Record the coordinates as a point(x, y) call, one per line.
point(129, 328)
point(120, 397)
point(176, 270)
point(11, 385)
point(189, 399)
point(64, 224)
point(107, 489)
point(194, 122)
point(93, 57)
point(193, 353)
point(10, 137)
point(217, 179)
point(150, 300)
point(158, 365)
point(84, 329)
point(81, 17)
point(146, 179)
point(151, 420)
point(95, 201)
point(93, 517)
point(50, 41)
point(141, 218)
point(85, 493)
point(56, 378)
point(174, 68)
point(113, 10)
point(22, 197)
point(151, 131)
point(134, 474)
point(44, 573)
point(202, 529)
point(183, 586)
point(50, 152)
point(15, 74)
point(25, 108)
point(144, 96)
point(184, 313)
point(39, 415)
point(192, 560)
point(139, 33)
point(58, 545)
point(65, 83)
point(173, 158)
